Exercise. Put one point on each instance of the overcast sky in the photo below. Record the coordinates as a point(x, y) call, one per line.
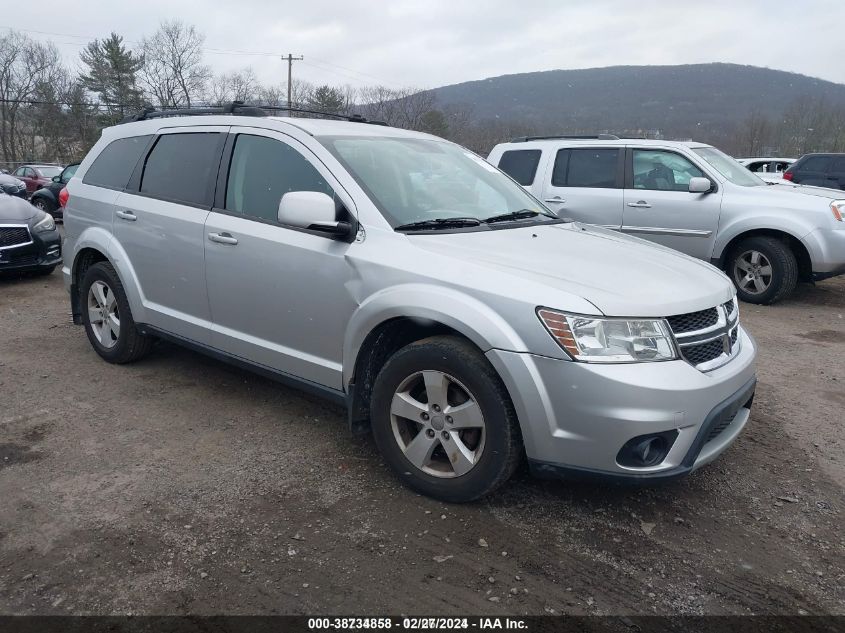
point(429, 43)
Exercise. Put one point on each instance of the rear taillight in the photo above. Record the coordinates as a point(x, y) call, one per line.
point(787, 175)
point(63, 197)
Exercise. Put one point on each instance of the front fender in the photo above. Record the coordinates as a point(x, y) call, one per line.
point(739, 225)
point(464, 314)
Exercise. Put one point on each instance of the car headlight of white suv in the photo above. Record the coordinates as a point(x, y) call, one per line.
point(601, 340)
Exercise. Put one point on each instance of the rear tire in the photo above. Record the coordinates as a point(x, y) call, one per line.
point(455, 458)
point(763, 269)
point(113, 333)
point(44, 205)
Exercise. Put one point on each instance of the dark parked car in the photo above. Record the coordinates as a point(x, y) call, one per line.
point(12, 186)
point(36, 176)
point(820, 170)
point(47, 198)
point(29, 241)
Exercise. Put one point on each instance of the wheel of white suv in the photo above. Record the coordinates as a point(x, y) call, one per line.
point(107, 317)
point(443, 420)
point(763, 269)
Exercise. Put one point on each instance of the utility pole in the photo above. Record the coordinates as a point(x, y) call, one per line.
point(291, 59)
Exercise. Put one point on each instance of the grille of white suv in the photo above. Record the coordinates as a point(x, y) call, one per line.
point(707, 338)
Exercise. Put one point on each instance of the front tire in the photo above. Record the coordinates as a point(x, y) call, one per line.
point(763, 269)
point(444, 421)
point(107, 317)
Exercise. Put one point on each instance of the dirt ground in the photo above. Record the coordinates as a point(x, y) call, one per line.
point(182, 485)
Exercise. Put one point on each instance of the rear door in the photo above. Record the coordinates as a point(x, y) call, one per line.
point(160, 221)
point(280, 296)
point(837, 173)
point(659, 206)
point(585, 184)
point(812, 170)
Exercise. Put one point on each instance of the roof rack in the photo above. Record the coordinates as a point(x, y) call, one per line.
point(238, 108)
point(596, 137)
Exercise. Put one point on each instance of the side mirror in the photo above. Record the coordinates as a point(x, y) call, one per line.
point(700, 185)
point(56, 178)
point(312, 210)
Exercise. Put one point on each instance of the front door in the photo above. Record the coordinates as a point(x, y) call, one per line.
point(585, 184)
point(280, 296)
point(659, 206)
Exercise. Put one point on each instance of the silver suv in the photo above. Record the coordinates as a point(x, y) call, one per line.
point(691, 197)
point(405, 277)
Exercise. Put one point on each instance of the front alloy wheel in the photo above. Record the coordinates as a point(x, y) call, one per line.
point(444, 421)
point(437, 424)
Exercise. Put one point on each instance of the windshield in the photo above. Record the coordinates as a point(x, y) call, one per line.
point(728, 167)
point(415, 180)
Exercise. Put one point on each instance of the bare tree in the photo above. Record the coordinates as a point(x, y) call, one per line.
point(235, 86)
point(755, 134)
point(26, 67)
point(173, 71)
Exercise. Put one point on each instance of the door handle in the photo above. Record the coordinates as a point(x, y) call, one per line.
point(223, 238)
point(126, 215)
point(557, 200)
point(640, 204)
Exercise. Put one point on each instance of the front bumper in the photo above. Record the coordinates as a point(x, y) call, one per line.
point(827, 252)
point(44, 251)
point(575, 417)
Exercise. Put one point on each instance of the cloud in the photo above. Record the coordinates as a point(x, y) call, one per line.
point(436, 42)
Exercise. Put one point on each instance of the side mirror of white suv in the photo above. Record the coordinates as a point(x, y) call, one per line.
point(700, 185)
point(312, 210)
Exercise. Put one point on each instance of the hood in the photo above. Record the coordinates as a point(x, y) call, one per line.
point(787, 192)
point(6, 179)
point(619, 274)
point(15, 210)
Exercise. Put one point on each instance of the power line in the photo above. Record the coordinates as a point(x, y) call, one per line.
point(221, 51)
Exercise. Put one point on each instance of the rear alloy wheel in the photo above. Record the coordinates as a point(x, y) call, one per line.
point(763, 269)
point(43, 205)
point(108, 318)
point(443, 420)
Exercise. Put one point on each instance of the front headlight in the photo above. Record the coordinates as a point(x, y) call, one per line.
point(600, 340)
point(838, 208)
point(44, 224)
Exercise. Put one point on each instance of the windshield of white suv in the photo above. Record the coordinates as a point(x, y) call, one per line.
point(728, 167)
point(422, 184)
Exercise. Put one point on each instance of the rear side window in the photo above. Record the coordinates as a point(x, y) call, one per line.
point(838, 165)
point(815, 163)
point(262, 171)
point(182, 167)
point(113, 167)
point(521, 164)
point(596, 168)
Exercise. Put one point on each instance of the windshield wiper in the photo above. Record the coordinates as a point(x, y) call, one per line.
point(513, 215)
point(438, 223)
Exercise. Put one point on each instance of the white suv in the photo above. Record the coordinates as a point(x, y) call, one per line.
point(690, 197)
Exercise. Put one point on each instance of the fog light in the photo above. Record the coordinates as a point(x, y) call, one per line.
point(646, 450)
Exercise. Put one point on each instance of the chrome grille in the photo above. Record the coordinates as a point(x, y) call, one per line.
point(693, 321)
point(707, 338)
point(14, 236)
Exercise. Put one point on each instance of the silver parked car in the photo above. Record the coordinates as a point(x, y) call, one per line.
point(691, 197)
point(406, 277)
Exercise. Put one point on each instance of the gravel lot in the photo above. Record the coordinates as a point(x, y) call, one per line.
point(182, 485)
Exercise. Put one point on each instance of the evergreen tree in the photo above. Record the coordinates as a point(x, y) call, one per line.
point(112, 74)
